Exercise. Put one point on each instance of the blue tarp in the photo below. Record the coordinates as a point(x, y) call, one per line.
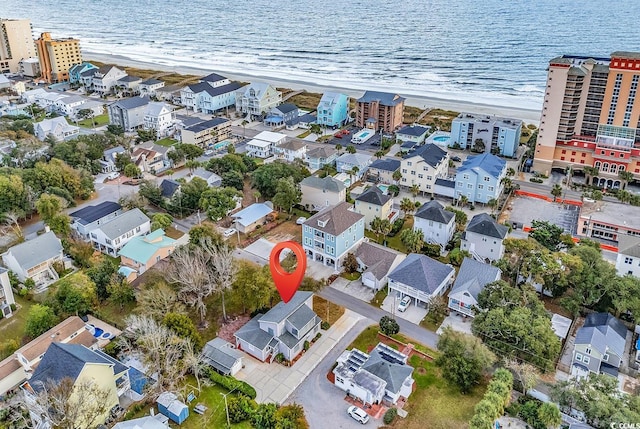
point(138, 381)
point(638, 344)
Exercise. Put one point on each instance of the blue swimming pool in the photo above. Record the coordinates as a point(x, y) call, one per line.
point(221, 144)
point(383, 188)
point(441, 139)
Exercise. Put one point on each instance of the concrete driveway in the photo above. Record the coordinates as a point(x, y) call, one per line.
point(318, 271)
point(354, 288)
point(413, 313)
point(457, 323)
point(324, 404)
point(274, 382)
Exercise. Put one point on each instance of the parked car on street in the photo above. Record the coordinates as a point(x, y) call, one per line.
point(456, 158)
point(358, 414)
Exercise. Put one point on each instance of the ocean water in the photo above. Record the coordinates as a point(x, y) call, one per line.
point(487, 51)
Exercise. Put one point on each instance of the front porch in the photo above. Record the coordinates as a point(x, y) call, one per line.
point(319, 256)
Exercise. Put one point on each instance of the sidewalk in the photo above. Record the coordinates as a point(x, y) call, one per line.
point(274, 382)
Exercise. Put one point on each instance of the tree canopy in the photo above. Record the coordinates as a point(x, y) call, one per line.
point(265, 178)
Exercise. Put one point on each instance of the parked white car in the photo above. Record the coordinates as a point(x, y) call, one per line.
point(229, 232)
point(404, 304)
point(358, 414)
point(301, 220)
point(113, 176)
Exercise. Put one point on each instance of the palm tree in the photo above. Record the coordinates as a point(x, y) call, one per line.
point(353, 172)
point(511, 172)
point(407, 206)
point(463, 200)
point(507, 183)
point(415, 190)
point(414, 240)
point(338, 148)
point(379, 154)
point(376, 224)
point(590, 172)
point(396, 176)
point(385, 227)
point(351, 149)
point(493, 203)
point(244, 128)
point(624, 196)
point(192, 164)
point(257, 195)
point(625, 177)
point(315, 129)
point(556, 191)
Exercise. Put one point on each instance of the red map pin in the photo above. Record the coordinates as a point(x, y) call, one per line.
point(287, 283)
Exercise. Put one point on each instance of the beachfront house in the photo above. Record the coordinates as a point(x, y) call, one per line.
point(34, 259)
point(150, 86)
point(330, 234)
point(128, 113)
point(106, 78)
point(159, 116)
point(412, 133)
point(283, 329)
point(129, 85)
point(470, 281)
point(486, 133)
point(436, 223)
point(111, 236)
point(354, 164)
point(421, 278)
point(333, 110)
point(88, 218)
point(279, 116)
point(256, 99)
point(374, 203)
point(57, 127)
point(380, 111)
point(207, 134)
point(483, 238)
point(75, 72)
point(422, 166)
point(381, 170)
point(212, 93)
point(479, 178)
point(319, 193)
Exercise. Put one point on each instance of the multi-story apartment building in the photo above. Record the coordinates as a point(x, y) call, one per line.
point(16, 44)
point(479, 178)
point(256, 99)
point(212, 93)
point(129, 113)
point(423, 165)
point(591, 117)
point(207, 133)
point(57, 56)
point(498, 135)
point(380, 111)
point(333, 109)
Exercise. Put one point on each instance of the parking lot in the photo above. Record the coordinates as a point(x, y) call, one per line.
point(524, 210)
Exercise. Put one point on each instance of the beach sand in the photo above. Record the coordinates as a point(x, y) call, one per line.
point(527, 115)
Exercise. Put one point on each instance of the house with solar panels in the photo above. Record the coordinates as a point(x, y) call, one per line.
point(380, 377)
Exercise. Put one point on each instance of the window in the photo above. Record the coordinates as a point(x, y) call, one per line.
point(628, 260)
point(588, 350)
point(465, 176)
point(490, 188)
point(586, 359)
point(480, 186)
point(469, 186)
point(486, 178)
point(605, 357)
point(409, 163)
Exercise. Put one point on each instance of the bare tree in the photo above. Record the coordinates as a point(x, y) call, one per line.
point(70, 404)
point(527, 374)
point(221, 258)
point(158, 301)
point(193, 360)
point(191, 270)
point(10, 219)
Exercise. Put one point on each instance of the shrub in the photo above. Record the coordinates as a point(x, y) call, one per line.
point(389, 416)
point(240, 408)
point(325, 325)
point(279, 358)
point(389, 326)
point(317, 337)
point(231, 383)
point(306, 346)
point(13, 307)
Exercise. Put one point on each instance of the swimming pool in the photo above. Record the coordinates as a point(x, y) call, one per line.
point(221, 144)
point(383, 188)
point(362, 136)
point(441, 139)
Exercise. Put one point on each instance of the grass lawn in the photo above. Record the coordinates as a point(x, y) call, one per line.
point(351, 276)
point(324, 308)
point(305, 134)
point(393, 242)
point(167, 142)
point(379, 297)
point(13, 327)
point(215, 416)
point(99, 120)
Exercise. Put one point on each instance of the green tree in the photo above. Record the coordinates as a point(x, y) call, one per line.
point(396, 176)
point(315, 129)
point(102, 274)
point(350, 263)
point(146, 135)
point(493, 204)
point(407, 206)
point(233, 179)
point(351, 149)
point(60, 224)
point(253, 286)
point(414, 240)
point(415, 190)
point(625, 177)
point(132, 171)
point(217, 202)
point(152, 192)
point(287, 194)
point(190, 151)
point(121, 292)
point(116, 130)
point(338, 148)
point(229, 162)
point(192, 165)
point(389, 326)
point(379, 154)
point(549, 415)
point(264, 416)
point(183, 326)
point(161, 221)
point(122, 161)
point(48, 206)
point(265, 178)
point(205, 231)
point(380, 227)
point(547, 234)
point(463, 358)
point(75, 295)
point(589, 173)
point(556, 191)
point(39, 320)
point(461, 217)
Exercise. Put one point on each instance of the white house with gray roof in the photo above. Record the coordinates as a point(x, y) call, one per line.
point(34, 259)
point(421, 278)
point(318, 157)
point(6, 293)
point(412, 133)
point(382, 376)
point(599, 346)
point(111, 236)
point(347, 161)
point(436, 223)
point(381, 170)
point(106, 78)
point(472, 277)
point(291, 150)
point(212, 179)
point(150, 86)
point(256, 99)
point(159, 116)
point(483, 238)
point(422, 166)
point(319, 193)
point(129, 113)
point(376, 262)
point(628, 259)
point(222, 356)
point(374, 203)
point(88, 218)
point(283, 329)
point(57, 127)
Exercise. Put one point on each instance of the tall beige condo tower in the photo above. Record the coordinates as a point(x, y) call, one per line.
point(16, 43)
point(591, 118)
point(57, 56)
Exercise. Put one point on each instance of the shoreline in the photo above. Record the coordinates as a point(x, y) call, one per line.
point(529, 116)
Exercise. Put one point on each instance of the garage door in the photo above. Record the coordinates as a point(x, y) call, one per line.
point(369, 281)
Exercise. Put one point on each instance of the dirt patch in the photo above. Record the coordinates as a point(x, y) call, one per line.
point(227, 330)
point(285, 231)
point(327, 310)
point(421, 371)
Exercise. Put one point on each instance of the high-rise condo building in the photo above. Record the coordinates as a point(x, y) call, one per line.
point(16, 44)
point(57, 56)
point(591, 117)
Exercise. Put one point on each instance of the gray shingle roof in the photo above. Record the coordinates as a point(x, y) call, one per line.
point(293, 145)
point(129, 78)
point(301, 317)
point(374, 195)
point(286, 108)
point(386, 164)
point(221, 355)
point(169, 187)
point(629, 245)
point(289, 340)
point(131, 103)
point(413, 130)
point(321, 152)
point(378, 259)
point(392, 372)
point(446, 183)
point(473, 277)
point(603, 332)
point(150, 82)
point(124, 223)
point(359, 159)
point(434, 211)
point(421, 273)
point(385, 98)
point(328, 183)
point(283, 310)
point(431, 153)
point(252, 334)
point(337, 219)
point(487, 162)
point(34, 252)
point(91, 214)
point(61, 361)
point(213, 77)
point(486, 225)
point(214, 92)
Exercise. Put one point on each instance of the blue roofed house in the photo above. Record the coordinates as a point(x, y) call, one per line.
point(421, 278)
point(423, 166)
point(333, 109)
point(483, 238)
point(86, 219)
point(283, 329)
point(479, 178)
point(498, 135)
point(318, 157)
point(280, 115)
point(599, 346)
point(413, 133)
point(88, 369)
point(346, 162)
point(222, 356)
point(249, 218)
point(141, 253)
point(472, 277)
point(381, 170)
point(256, 99)
point(330, 234)
point(75, 72)
point(436, 223)
point(212, 93)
